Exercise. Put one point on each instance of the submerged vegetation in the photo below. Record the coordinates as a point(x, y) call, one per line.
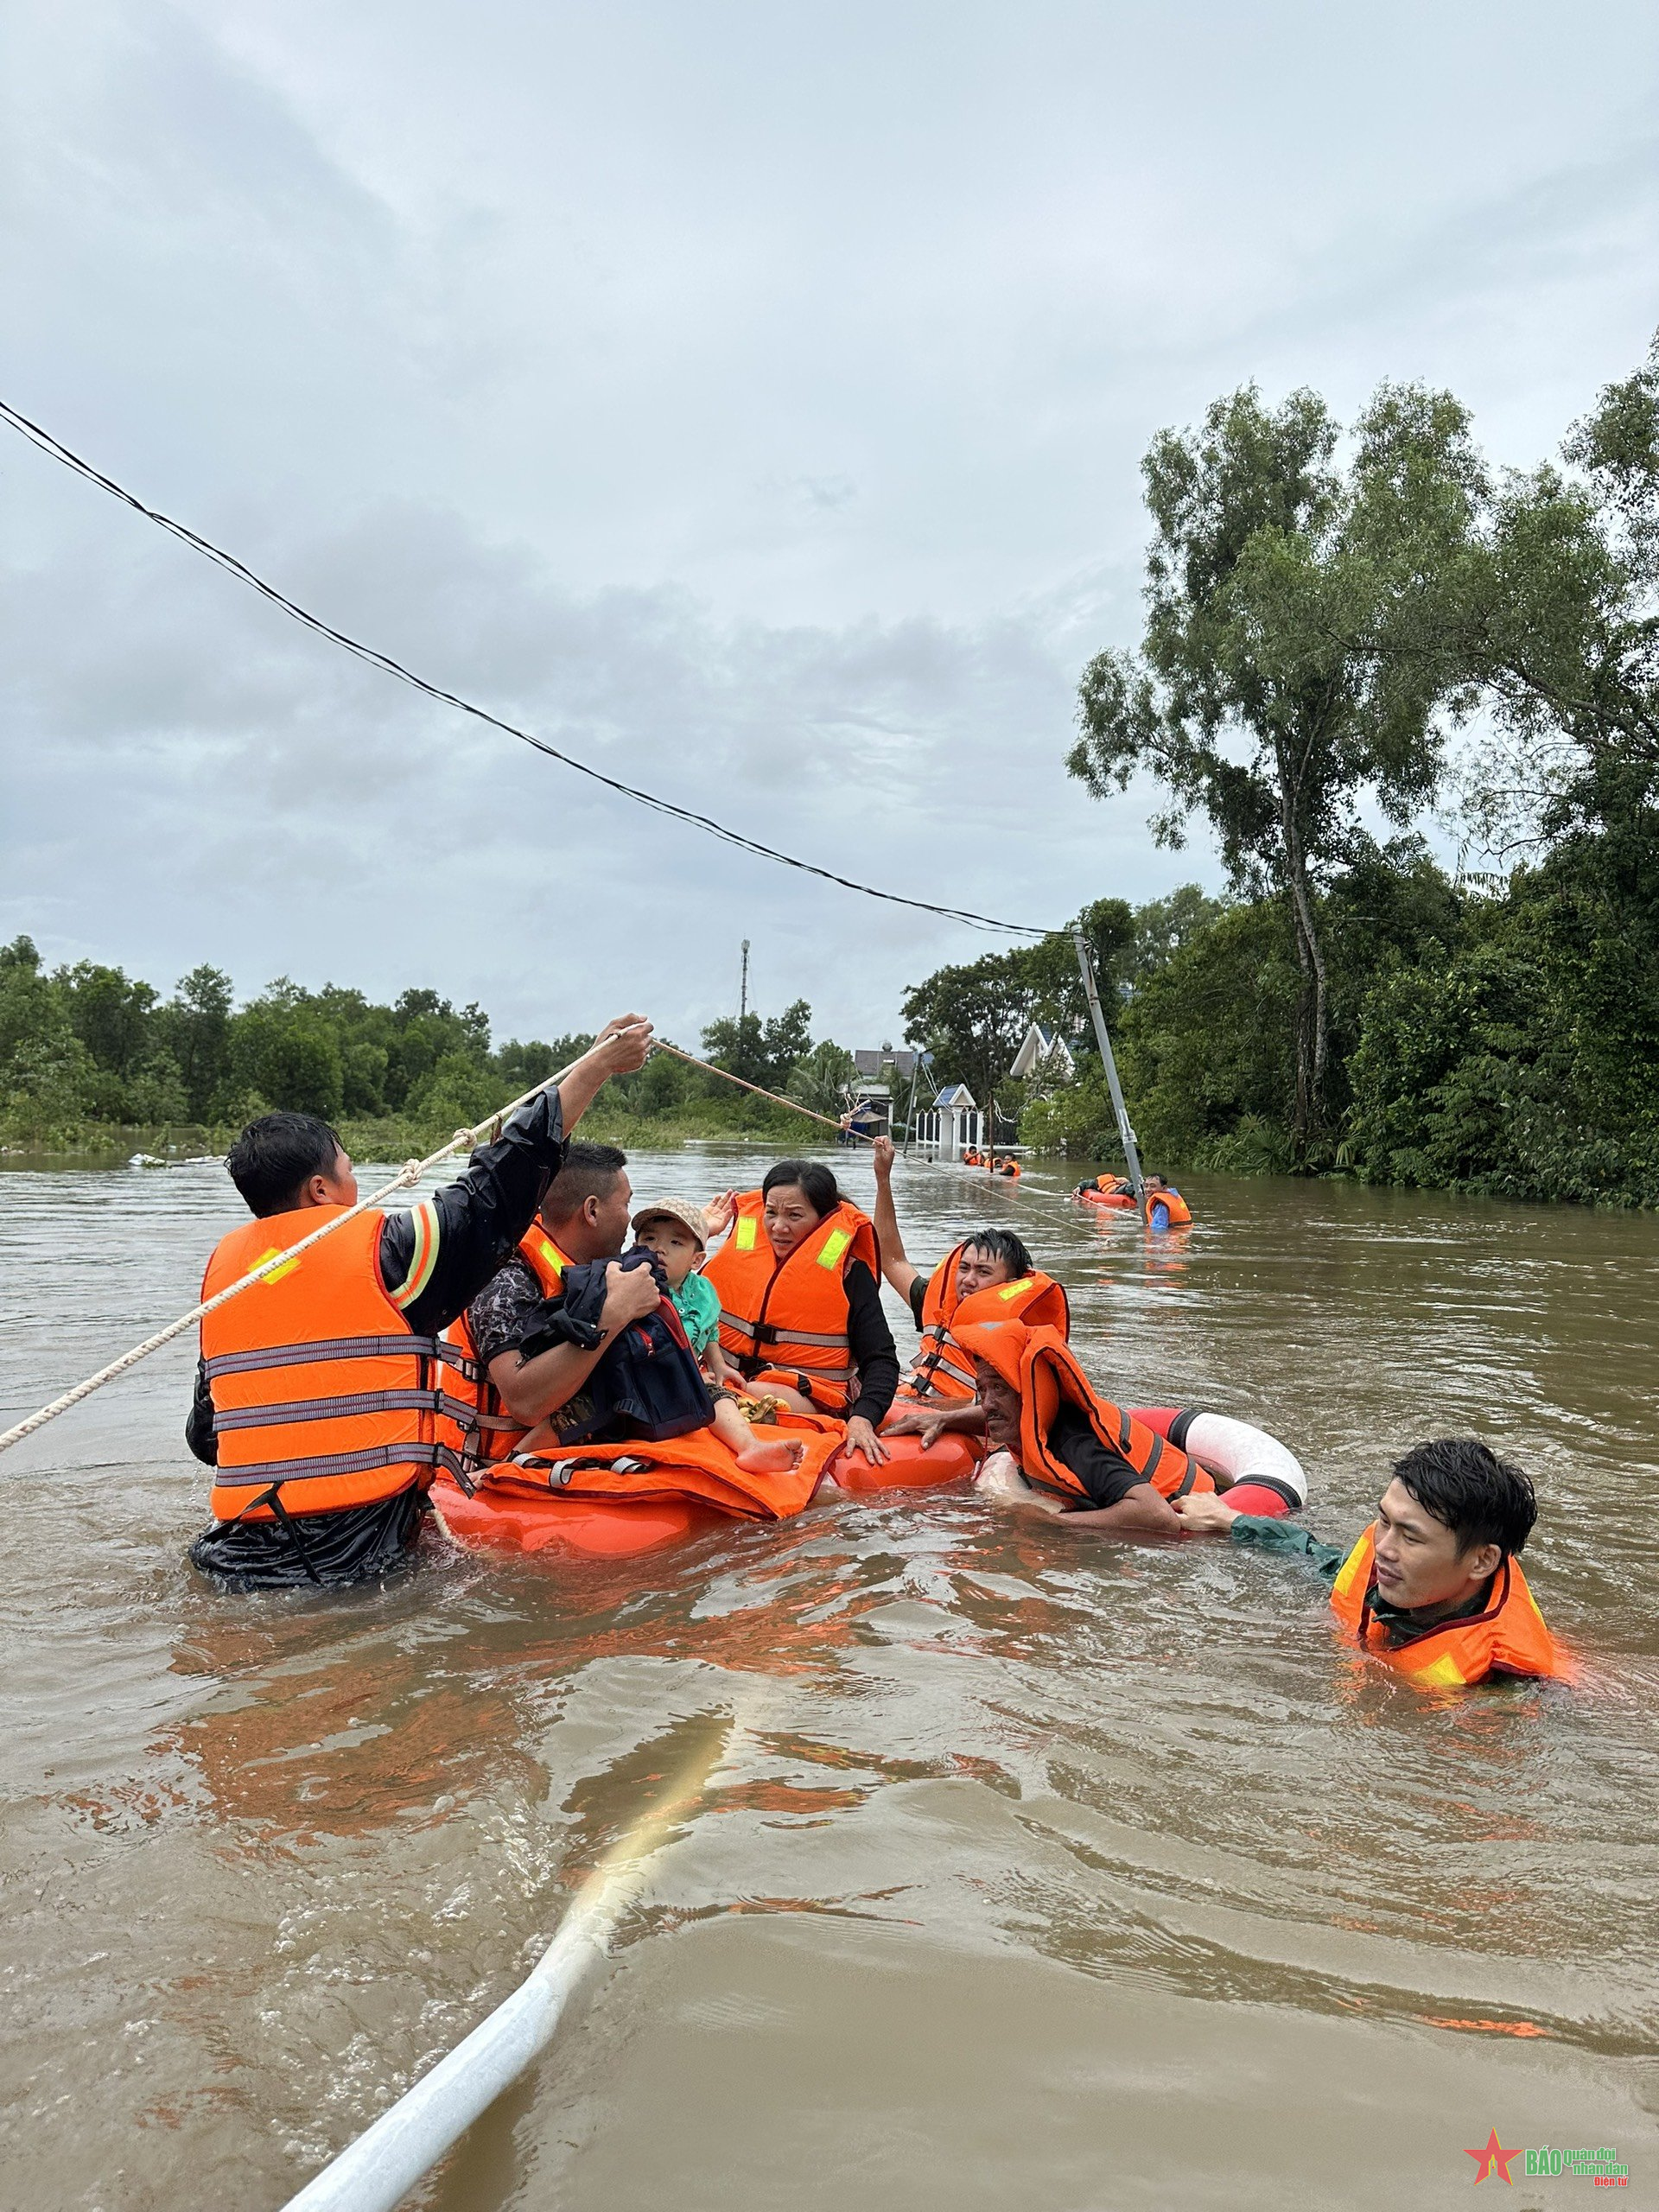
point(1340, 634)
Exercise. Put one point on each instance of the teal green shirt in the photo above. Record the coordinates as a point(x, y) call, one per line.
point(697, 1303)
point(1288, 1541)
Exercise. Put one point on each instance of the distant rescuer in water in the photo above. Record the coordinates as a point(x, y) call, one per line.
point(1434, 1585)
point(324, 1398)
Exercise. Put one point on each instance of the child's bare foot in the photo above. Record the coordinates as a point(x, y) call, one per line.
point(769, 1459)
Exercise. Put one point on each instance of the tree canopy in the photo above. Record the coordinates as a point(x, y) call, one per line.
point(1258, 696)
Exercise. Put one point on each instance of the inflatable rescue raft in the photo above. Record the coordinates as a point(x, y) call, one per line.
point(619, 1501)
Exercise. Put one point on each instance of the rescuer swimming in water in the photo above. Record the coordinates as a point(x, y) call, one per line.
point(1434, 1586)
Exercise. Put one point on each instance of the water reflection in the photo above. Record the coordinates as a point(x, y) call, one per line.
point(1035, 1862)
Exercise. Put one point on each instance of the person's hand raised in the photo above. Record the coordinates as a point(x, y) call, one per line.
point(623, 1045)
point(882, 1152)
point(719, 1213)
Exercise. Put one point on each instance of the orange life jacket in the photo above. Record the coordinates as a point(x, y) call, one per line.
point(491, 1431)
point(1040, 1365)
point(1113, 1184)
point(1509, 1639)
point(1172, 1203)
point(785, 1321)
point(323, 1396)
point(940, 1369)
point(697, 1468)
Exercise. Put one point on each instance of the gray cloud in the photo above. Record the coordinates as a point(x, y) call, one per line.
point(748, 400)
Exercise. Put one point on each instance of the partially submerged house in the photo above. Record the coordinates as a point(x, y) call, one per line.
point(954, 1122)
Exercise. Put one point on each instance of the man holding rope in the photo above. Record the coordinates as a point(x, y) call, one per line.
point(324, 1398)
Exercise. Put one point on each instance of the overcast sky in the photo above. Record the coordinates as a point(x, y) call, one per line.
point(750, 398)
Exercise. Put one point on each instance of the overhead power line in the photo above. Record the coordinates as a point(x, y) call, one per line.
point(216, 554)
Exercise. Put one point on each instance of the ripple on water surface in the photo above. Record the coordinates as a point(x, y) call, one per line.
point(1037, 1871)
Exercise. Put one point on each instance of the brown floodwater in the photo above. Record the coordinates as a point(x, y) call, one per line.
point(1043, 1873)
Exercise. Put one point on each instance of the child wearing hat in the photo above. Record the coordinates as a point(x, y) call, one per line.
point(676, 1230)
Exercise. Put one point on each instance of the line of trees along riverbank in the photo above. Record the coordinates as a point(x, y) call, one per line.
point(86, 1051)
point(1327, 612)
point(1323, 616)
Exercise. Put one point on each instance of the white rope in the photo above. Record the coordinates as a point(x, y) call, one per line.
point(410, 1172)
point(407, 1175)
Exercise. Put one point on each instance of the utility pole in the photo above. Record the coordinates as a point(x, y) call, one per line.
point(743, 988)
point(1092, 992)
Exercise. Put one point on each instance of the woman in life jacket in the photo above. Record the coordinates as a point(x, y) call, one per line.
point(800, 1306)
point(1433, 1587)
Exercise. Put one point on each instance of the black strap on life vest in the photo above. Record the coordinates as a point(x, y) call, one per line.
point(289, 1526)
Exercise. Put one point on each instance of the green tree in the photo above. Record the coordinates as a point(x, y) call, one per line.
point(1260, 696)
point(823, 1078)
point(195, 1026)
point(973, 1019)
point(758, 1052)
point(109, 1013)
point(1163, 926)
point(1558, 618)
point(31, 1006)
point(282, 1051)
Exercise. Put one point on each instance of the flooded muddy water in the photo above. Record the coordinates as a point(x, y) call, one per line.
point(1041, 1873)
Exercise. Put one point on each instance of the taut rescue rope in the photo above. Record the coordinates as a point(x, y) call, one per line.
point(409, 1173)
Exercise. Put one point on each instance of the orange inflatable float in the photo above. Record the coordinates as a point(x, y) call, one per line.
point(620, 1501)
point(949, 1458)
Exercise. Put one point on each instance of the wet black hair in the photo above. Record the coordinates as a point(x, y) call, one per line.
point(1481, 1498)
point(276, 1157)
point(1002, 1244)
point(817, 1183)
point(588, 1171)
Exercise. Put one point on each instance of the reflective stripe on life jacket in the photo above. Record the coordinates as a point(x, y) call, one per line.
point(1040, 1365)
point(491, 1432)
point(1509, 1639)
point(941, 1369)
point(323, 1396)
point(786, 1321)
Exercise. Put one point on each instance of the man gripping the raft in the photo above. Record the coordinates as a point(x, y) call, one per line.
point(988, 1276)
point(325, 1400)
point(1433, 1587)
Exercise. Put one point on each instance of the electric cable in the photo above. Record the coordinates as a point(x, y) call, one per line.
point(57, 451)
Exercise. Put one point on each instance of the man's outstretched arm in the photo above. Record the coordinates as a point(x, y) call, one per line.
point(436, 1260)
